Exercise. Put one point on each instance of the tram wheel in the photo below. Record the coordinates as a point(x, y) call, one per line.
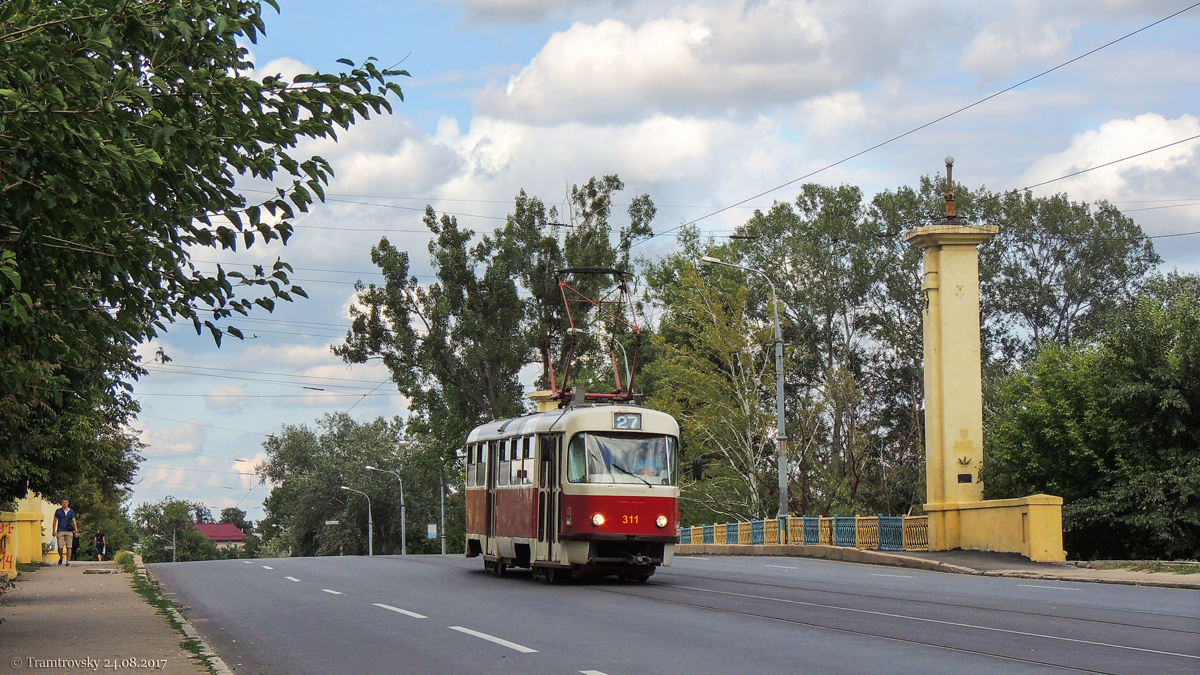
point(500, 567)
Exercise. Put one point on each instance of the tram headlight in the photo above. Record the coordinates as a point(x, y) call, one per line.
point(661, 521)
point(598, 519)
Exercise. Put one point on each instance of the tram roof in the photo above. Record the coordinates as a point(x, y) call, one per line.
point(543, 422)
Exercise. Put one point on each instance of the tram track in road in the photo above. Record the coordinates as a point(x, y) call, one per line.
point(870, 634)
point(1064, 647)
point(980, 603)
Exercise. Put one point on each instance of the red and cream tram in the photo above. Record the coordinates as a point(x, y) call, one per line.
point(588, 489)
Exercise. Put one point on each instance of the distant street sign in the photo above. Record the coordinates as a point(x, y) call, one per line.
point(331, 522)
point(431, 531)
point(169, 548)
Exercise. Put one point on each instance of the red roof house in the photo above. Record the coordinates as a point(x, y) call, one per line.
point(224, 535)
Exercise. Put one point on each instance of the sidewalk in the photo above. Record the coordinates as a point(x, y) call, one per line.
point(83, 619)
point(957, 561)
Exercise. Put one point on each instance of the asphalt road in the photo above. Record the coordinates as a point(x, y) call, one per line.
point(443, 614)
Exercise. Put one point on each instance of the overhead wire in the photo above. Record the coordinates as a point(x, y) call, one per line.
point(922, 126)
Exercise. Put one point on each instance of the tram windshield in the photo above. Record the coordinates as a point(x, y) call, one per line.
point(622, 458)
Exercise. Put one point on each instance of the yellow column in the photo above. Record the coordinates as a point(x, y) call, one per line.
point(953, 379)
point(958, 515)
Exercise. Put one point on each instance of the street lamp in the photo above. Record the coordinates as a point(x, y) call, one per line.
point(403, 542)
point(370, 523)
point(782, 435)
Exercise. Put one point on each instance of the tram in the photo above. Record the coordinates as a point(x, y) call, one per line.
point(586, 486)
point(590, 489)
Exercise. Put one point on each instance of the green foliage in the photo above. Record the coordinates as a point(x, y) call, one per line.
point(1058, 269)
point(851, 309)
point(169, 523)
point(715, 368)
point(1114, 429)
point(456, 347)
point(123, 127)
point(236, 516)
point(307, 468)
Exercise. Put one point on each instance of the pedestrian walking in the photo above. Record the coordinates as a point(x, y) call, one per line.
point(100, 543)
point(66, 530)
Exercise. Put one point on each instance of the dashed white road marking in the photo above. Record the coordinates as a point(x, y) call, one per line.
point(331, 592)
point(492, 638)
point(592, 672)
point(894, 576)
point(292, 579)
point(692, 557)
point(782, 567)
point(248, 562)
point(267, 567)
point(399, 611)
point(1051, 588)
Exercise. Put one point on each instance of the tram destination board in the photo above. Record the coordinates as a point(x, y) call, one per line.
point(626, 421)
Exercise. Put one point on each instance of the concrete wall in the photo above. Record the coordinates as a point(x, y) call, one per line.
point(1031, 526)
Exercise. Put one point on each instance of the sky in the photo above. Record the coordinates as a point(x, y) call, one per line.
point(701, 105)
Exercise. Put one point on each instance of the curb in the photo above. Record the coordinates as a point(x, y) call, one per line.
point(214, 662)
point(865, 557)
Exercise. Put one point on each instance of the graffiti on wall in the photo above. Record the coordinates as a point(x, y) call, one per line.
point(8, 546)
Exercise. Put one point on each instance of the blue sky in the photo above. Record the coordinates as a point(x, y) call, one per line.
point(699, 104)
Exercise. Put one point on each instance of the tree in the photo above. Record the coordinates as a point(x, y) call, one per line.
point(1058, 269)
point(307, 468)
point(1113, 428)
point(456, 347)
point(123, 127)
point(236, 516)
point(170, 523)
point(715, 372)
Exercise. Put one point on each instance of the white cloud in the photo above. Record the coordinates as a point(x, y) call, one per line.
point(513, 11)
point(1015, 39)
point(172, 441)
point(697, 60)
point(226, 396)
point(285, 67)
point(1115, 140)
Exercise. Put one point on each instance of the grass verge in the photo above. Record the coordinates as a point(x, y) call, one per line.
point(150, 592)
point(1158, 566)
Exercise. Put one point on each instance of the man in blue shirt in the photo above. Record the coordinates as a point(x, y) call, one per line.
point(65, 531)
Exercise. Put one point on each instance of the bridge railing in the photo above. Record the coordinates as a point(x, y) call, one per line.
point(883, 533)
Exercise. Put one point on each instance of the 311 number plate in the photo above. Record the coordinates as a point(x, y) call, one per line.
point(627, 421)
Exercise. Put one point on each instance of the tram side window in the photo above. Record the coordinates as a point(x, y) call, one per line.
point(470, 466)
point(529, 462)
point(505, 465)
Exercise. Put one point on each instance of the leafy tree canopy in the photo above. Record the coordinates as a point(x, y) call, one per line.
point(169, 523)
point(1113, 428)
point(123, 127)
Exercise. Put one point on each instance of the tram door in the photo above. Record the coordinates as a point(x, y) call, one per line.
point(547, 523)
point(493, 459)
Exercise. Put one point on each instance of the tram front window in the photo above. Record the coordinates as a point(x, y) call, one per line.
point(621, 458)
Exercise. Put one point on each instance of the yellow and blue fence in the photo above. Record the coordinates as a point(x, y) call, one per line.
point(884, 533)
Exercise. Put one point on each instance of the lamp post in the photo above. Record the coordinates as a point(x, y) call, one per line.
point(403, 541)
point(370, 522)
point(781, 437)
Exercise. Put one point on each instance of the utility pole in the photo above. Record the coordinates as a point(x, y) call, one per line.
point(403, 534)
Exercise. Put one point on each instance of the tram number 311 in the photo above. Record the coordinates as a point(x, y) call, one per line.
point(629, 520)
